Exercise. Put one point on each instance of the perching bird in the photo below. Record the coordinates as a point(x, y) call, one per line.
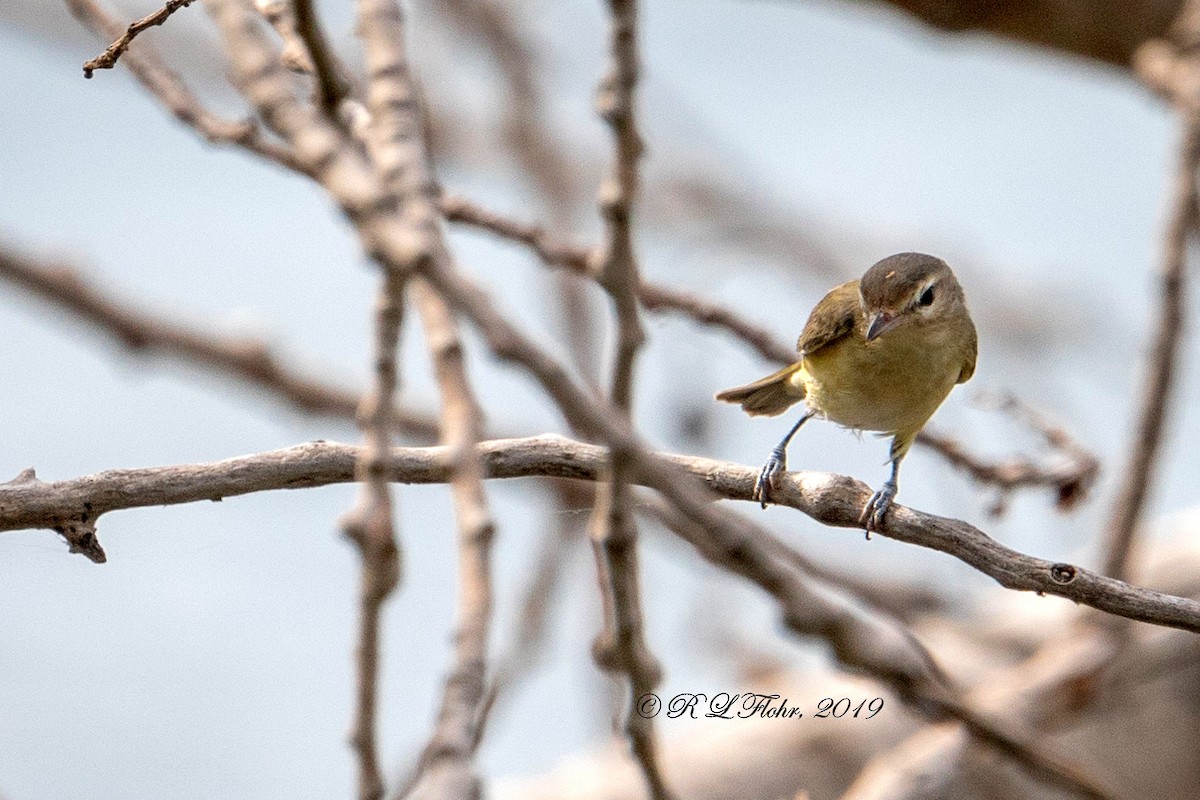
point(877, 354)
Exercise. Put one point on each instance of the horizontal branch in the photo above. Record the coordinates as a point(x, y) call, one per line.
point(253, 361)
point(833, 500)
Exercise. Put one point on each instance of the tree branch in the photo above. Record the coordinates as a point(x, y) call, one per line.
point(1157, 385)
point(108, 59)
point(655, 297)
point(446, 761)
point(861, 640)
point(371, 526)
point(243, 358)
point(621, 645)
point(1106, 30)
point(170, 90)
point(833, 500)
point(332, 86)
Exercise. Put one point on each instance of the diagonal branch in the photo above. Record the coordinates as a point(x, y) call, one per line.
point(166, 85)
point(245, 359)
point(655, 297)
point(108, 59)
point(332, 86)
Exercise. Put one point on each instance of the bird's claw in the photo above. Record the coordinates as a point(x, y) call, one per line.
point(877, 507)
point(768, 478)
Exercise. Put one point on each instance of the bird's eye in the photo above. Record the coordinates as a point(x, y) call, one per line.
point(926, 298)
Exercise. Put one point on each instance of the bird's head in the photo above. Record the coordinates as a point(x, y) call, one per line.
point(908, 289)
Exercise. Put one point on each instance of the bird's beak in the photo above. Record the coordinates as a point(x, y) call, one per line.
point(880, 324)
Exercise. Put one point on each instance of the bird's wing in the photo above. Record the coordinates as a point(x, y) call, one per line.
point(968, 367)
point(832, 319)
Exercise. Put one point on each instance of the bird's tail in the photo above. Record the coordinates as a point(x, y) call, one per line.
point(768, 396)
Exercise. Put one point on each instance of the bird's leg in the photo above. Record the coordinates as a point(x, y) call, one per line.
point(881, 501)
point(776, 465)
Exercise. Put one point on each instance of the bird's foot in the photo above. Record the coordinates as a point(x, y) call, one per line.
point(873, 513)
point(768, 478)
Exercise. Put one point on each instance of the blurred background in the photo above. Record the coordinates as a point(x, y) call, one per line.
point(789, 146)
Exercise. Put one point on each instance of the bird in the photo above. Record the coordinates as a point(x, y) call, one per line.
point(878, 354)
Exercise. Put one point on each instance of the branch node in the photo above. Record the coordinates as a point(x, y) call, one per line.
point(1062, 573)
point(81, 537)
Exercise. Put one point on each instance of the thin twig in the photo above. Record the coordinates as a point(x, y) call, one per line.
point(371, 527)
point(516, 662)
point(108, 59)
point(654, 297)
point(1156, 386)
point(1071, 476)
point(332, 86)
point(249, 360)
point(621, 646)
point(540, 153)
point(166, 85)
point(394, 137)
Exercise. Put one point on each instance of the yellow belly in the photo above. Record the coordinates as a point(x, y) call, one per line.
point(892, 385)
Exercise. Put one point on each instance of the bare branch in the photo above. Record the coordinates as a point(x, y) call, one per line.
point(1071, 477)
point(332, 86)
point(861, 640)
point(245, 359)
point(655, 297)
point(371, 527)
point(621, 645)
point(830, 499)
point(166, 85)
point(282, 17)
point(446, 761)
point(108, 59)
point(544, 579)
point(1157, 385)
point(1107, 30)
